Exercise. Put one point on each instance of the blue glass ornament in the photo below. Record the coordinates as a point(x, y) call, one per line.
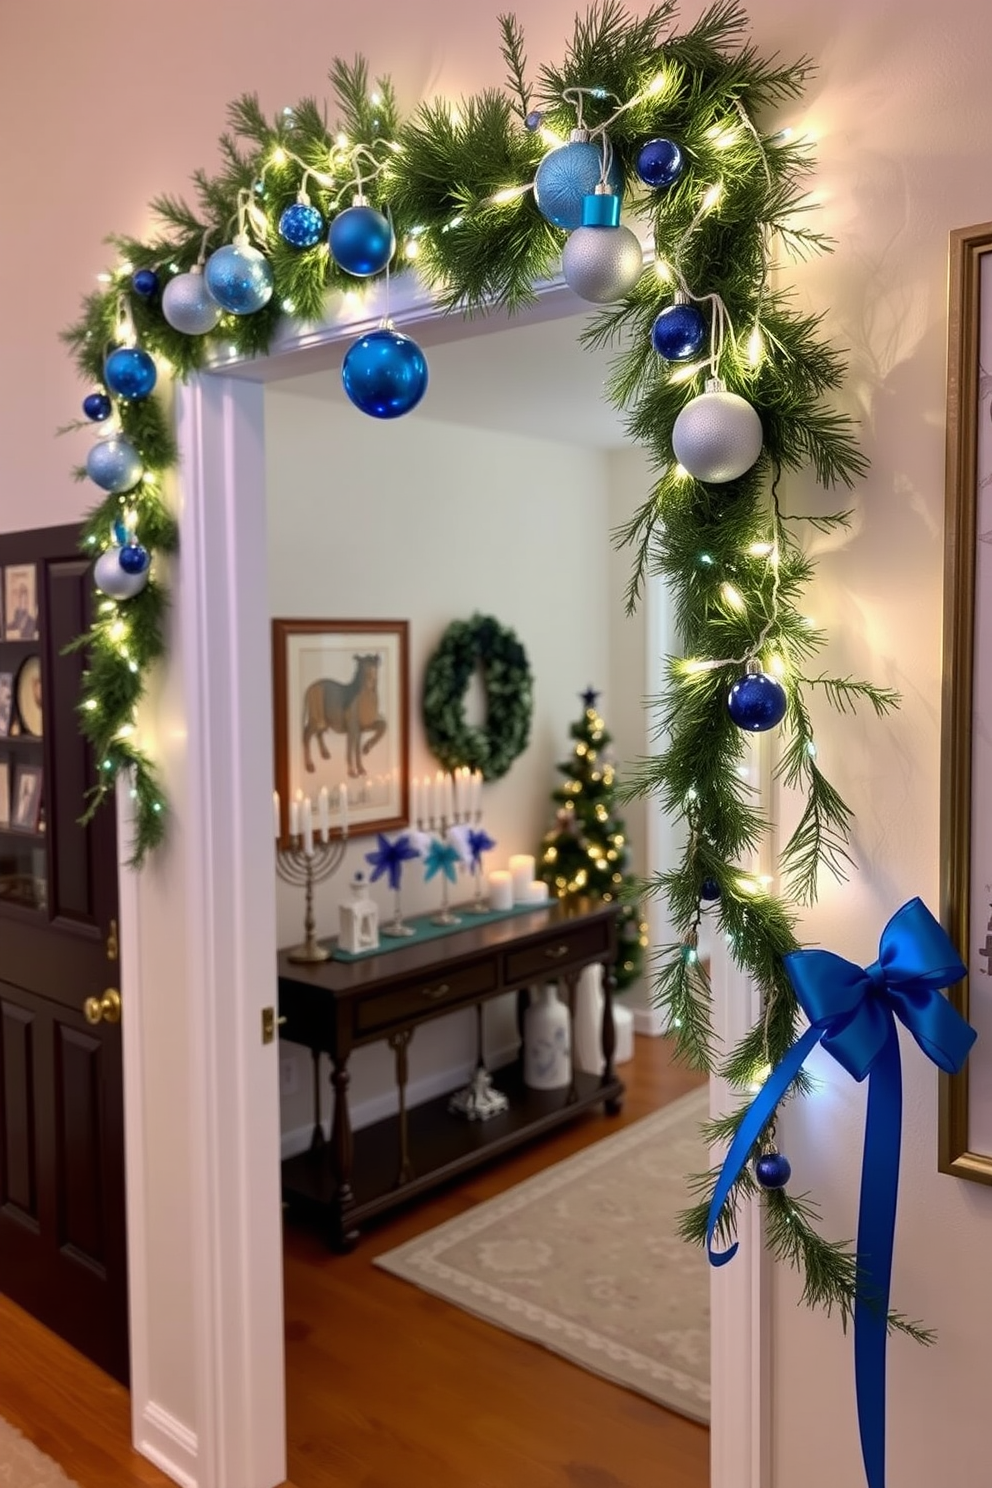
point(145, 283)
point(384, 373)
point(301, 225)
point(130, 372)
point(756, 701)
point(361, 240)
point(239, 278)
point(134, 558)
point(659, 163)
point(534, 120)
point(709, 889)
point(679, 332)
point(567, 175)
point(114, 464)
point(772, 1170)
point(97, 406)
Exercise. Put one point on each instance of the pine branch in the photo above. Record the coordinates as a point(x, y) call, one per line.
point(681, 989)
point(844, 694)
point(516, 60)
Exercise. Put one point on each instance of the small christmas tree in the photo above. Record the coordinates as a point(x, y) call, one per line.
point(585, 854)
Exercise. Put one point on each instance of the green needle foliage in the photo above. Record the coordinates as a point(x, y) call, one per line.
point(456, 179)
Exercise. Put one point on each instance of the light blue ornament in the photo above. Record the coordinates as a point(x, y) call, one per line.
point(361, 239)
point(130, 372)
point(114, 464)
point(569, 174)
point(113, 580)
point(187, 306)
point(239, 278)
point(384, 373)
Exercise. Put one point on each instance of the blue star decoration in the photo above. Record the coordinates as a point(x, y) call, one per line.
point(389, 858)
point(478, 843)
point(442, 857)
point(589, 696)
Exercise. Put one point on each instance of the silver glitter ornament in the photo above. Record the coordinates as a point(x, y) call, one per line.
point(718, 435)
point(113, 581)
point(602, 264)
point(187, 306)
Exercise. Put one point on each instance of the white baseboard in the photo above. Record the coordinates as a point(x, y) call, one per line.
point(378, 1107)
point(169, 1444)
point(649, 1021)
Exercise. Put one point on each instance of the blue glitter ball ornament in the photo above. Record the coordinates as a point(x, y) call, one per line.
point(239, 278)
point(772, 1170)
point(97, 406)
point(384, 373)
point(301, 225)
point(679, 333)
point(134, 558)
point(567, 175)
point(114, 464)
point(361, 240)
point(534, 120)
point(757, 702)
point(130, 372)
point(145, 283)
point(659, 163)
point(709, 889)
point(188, 306)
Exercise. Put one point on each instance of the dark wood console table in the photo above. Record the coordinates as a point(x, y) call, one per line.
point(338, 1006)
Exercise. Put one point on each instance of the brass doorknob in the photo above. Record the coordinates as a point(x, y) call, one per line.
point(105, 1009)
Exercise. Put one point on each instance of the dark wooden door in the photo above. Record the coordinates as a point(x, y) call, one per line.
point(62, 1218)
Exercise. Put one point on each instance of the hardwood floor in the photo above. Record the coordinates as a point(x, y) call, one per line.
point(388, 1386)
point(391, 1388)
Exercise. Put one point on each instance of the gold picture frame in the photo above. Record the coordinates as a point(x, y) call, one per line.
point(965, 1126)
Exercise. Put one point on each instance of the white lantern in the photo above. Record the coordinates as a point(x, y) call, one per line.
point(359, 919)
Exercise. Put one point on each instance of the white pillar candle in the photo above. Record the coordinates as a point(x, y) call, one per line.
point(343, 808)
point(307, 815)
point(323, 812)
point(522, 873)
point(276, 815)
point(500, 889)
point(294, 818)
point(537, 892)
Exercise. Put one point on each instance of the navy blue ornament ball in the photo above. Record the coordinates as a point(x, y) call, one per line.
point(534, 120)
point(709, 889)
point(134, 558)
point(145, 283)
point(659, 163)
point(361, 240)
point(772, 1170)
point(301, 225)
point(757, 702)
point(97, 406)
point(679, 333)
point(384, 373)
point(239, 278)
point(566, 176)
point(130, 372)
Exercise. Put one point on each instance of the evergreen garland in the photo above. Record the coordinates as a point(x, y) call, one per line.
point(456, 181)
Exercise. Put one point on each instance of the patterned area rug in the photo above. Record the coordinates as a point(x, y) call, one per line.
point(585, 1259)
point(23, 1466)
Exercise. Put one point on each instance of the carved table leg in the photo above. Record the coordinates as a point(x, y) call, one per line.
point(318, 1140)
point(344, 1232)
point(399, 1043)
point(613, 1103)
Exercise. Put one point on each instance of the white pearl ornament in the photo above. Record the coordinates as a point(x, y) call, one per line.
point(718, 435)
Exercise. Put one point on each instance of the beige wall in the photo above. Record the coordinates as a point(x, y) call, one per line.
point(98, 111)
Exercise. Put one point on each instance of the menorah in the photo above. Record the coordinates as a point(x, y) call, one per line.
point(303, 868)
point(440, 824)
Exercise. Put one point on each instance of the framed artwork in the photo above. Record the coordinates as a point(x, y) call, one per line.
point(6, 702)
point(4, 794)
point(20, 602)
point(341, 695)
point(25, 805)
point(965, 1147)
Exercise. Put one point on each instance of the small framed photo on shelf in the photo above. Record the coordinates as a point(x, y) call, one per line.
point(341, 693)
point(20, 602)
point(6, 702)
point(25, 806)
point(4, 794)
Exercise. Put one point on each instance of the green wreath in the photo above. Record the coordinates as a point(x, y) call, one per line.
point(466, 645)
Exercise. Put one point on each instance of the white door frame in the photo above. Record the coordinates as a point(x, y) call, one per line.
point(214, 889)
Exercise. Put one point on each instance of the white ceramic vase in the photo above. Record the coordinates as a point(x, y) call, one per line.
point(587, 1035)
point(547, 1044)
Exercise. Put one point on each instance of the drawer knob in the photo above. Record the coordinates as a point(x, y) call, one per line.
point(555, 953)
point(435, 992)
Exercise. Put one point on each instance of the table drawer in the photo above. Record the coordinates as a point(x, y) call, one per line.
point(564, 948)
point(417, 999)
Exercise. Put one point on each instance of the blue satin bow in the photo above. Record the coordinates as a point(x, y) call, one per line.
point(852, 1012)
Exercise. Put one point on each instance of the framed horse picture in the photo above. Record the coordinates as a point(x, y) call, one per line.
point(341, 704)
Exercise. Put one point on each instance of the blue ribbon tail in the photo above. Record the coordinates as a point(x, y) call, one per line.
point(876, 1235)
point(759, 1113)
